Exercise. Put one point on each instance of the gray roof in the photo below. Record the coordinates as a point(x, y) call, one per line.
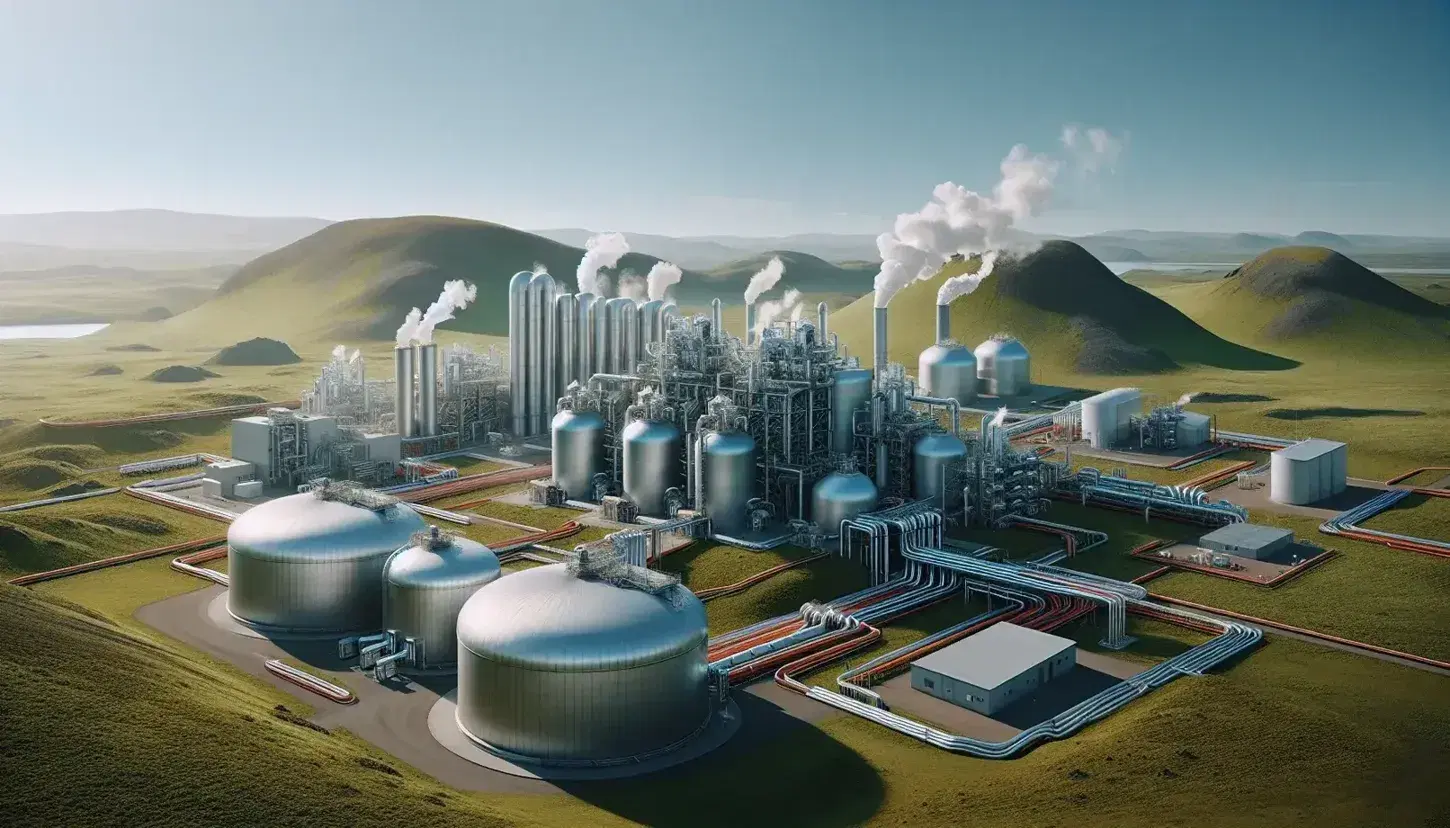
point(995, 655)
point(1309, 449)
point(1246, 535)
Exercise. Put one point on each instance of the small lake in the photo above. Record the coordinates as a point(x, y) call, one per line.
point(49, 331)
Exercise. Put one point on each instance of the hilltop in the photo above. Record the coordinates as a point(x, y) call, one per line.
point(804, 272)
point(1317, 296)
point(154, 230)
point(357, 279)
point(1073, 314)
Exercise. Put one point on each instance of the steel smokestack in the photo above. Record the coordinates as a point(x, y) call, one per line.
point(717, 320)
point(878, 363)
point(821, 312)
point(405, 415)
point(427, 390)
point(750, 323)
point(943, 322)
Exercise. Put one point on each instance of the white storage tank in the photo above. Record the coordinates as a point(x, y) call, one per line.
point(729, 479)
point(578, 451)
point(1306, 472)
point(427, 584)
point(652, 464)
point(1193, 429)
point(948, 370)
point(1003, 366)
point(1106, 417)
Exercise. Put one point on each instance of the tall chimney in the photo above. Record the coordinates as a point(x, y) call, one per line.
point(879, 332)
point(405, 415)
point(943, 323)
point(427, 390)
point(717, 320)
point(750, 324)
point(821, 322)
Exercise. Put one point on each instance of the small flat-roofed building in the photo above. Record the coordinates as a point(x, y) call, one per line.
point(1247, 540)
point(994, 668)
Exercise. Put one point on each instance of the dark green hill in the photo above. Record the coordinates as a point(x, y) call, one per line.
point(256, 351)
point(1067, 307)
point(804, 272)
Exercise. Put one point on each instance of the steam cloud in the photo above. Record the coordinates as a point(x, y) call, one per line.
point(661, 276)
point(959, 286)
point(339, 353)
point(764, 279)
point(418, 325)
point(771, 310)
point(601, 251)
point(539, 269)
point(958, 220)
point(1001, 417)
point(633, 286)
point(1185, 399)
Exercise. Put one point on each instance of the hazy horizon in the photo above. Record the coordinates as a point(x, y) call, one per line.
point(753, 119)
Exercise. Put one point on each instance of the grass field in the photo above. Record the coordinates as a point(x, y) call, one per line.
point(1420, 516)
point(70, 533)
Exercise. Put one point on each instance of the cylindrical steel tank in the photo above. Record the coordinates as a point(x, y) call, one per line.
point(717, 320)
point(307, 564)
point(948, 370)
point(538, 362)
point(629, 324)
point(1003, 367)
point(616, 331)
point(649, 324)
point(669, 312)
point(603, 337)
point(750, 323)
point(578, 451)
point(851, 392)
point(566, 322)
point(841, 495)
point(821, 313)
point(426, 585)
point(932, 455)
point(652, 453)
point(518, 298)
point(879, 340)
point(428, 389)
point(729, 479)
point(588, 314)
point(943, 323)
point(563, 669)
point(406, 415)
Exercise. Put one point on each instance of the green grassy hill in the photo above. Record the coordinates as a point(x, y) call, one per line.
point(1320, 300)
point(804, 272)
point(1073, 314)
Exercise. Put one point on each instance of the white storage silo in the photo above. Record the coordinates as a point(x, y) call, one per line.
point(1106, 417)
point(1305, 472)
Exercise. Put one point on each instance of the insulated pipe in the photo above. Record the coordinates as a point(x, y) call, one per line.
point(821, 312)
point(750, 323)
point(878, 359)
point(717, 320)
point(943, 323)
point(951, 405)
point(405, 415)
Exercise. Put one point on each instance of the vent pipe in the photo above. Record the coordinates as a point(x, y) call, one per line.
point(821, 322)
point(405, 415)
point(750, 323)
point(878, 363)
point(943, 323)
point(717, 320)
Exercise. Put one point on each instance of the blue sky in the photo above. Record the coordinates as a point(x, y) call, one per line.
point(742, 117)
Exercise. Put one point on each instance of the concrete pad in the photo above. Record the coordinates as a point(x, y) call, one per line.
point(443, 725)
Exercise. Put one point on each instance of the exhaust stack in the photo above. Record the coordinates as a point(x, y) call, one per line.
point(427, 390)
point(943, 323)
point(878, 363)
point(750, 323)
point(821, 311)
point(717, 320)
point(406, 416)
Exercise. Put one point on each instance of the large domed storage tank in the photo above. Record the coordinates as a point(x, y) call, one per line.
point(1003, 366)
point(930, 457)
point(578, 451)
point(560, 668)
point(841, 495)
point(652, 464)
point(729, 479)
point(313, 562)
point(852, 391)
point(426, 585)
point(948, 370)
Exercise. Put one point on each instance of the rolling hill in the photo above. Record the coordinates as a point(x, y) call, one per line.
point(1316, 297)
point(154, 230)
point(1073, 314)
point(804, 272)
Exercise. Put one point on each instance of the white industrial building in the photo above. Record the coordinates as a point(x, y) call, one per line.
point(287, 447)
point(1307, 472)
point(1247, 540)
point(223, 477)
point(1107, 417)
point(1193, 429)
point(994, 668)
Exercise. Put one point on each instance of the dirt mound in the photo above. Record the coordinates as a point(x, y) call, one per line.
point(1314, 272)
point(136, 346)
point(258, 351)
point(107, 370)
point(180, 373)
point(78, 487)
point(1105, 352)
point(140, 524)
point(36, 474)
point(218, 399)
point(79, 455)
point(154, 314)
point(1310, 313)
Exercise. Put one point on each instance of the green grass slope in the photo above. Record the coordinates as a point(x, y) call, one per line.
point(1301, 299)
point(1072, 312)
point(359, 278)
point(804, 272)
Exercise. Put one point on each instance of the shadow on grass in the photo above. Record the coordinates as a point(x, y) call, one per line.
point(777, 770)
point(1212, 397)
point(1334, 411)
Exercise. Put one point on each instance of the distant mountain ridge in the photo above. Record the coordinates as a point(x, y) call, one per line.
point(154, 230)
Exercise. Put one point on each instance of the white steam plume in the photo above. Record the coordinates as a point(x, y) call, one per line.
point(958, 220)
point(1185, 399)
point(1001, 417)
point(764, 279)
point(408, 331)
point(661, 276)
point(602, 250)
point(339, 353)
point(959, 286)
point(539, 269)
point(1094, 148)
point(769, 311)
point(633, 286)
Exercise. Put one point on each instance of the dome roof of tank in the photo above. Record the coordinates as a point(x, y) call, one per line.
point(1002, 344)
point(651, 431)
point(306, 528)
point(846, 484)
point(940, 444)
point(548, 619)
point(729, 442)
point(949, 352)
point(459, 563)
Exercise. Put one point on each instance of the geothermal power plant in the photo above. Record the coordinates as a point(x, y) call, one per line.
point(660, 427)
